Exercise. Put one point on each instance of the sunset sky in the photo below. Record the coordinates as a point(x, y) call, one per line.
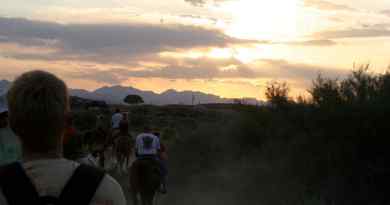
point(229, 48)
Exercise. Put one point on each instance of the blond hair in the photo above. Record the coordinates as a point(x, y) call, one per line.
point(38, 104)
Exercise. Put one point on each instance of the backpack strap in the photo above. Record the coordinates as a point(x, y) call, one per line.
point(17, 186)
point(48, 200)
point(82, 186)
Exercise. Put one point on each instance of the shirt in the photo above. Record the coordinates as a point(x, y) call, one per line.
point(70, 132)
point(116, 119)
point(147, 144)
point(10, 146)
point(50, 176)
point(88, 160)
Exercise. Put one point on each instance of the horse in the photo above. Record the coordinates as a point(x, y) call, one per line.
point(145, 179)
point(123, 149)
point(96, 139)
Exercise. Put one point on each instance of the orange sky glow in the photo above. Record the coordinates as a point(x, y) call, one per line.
point(230, 48)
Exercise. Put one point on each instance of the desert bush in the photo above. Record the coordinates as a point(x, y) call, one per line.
point(84, 119)
point(277, 93)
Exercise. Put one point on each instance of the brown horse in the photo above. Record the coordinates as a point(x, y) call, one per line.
point(145, 180)
point(123, 150)
point(97, 139)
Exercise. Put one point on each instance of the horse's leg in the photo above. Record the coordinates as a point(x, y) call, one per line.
point(147, 198)
point(155, 198)
point(144, 199)
point(133, 185)
point(119, 163)
point(101, 159)
point(122, 163)
point(127, 162)
point(134, 197)
point(152, 199)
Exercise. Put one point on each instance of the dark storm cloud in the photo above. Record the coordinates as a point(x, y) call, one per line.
point(109, 42)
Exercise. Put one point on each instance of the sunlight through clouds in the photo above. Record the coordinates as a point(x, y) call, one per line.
point(263, 19)
point(218, 46)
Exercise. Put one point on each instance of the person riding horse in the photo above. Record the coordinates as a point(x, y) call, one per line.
point(116, 118)
point(145, 172)
point(124, 144)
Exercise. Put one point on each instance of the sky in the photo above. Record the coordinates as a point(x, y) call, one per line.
point(230, 48)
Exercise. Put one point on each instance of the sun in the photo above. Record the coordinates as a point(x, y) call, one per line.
point(263, 19)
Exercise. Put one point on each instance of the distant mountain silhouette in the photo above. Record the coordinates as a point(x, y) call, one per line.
point(4, 85)
point(116, 94)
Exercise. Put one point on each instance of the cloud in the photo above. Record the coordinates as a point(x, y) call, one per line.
point(386, 12)
point(200, 3)
point(198, 17)
point(323, 42)
point(318, 4)
point(299, 71)
point(190, 69)
point(111, 76)
point(327, 5)
point(196, 2)
point(109, 42)
point(209, 69)
point(353, 33)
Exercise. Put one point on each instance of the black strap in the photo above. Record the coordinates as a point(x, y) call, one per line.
point(82, 186)
point(17, 186)
point(48, 200)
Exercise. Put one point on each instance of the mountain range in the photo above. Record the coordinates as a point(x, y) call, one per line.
point(116, 94)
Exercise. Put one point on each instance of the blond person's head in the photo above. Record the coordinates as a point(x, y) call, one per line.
point(38, 105)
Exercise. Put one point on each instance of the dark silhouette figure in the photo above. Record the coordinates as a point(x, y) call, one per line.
point(145, 181)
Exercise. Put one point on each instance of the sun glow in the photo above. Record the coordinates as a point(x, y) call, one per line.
point(263, 19)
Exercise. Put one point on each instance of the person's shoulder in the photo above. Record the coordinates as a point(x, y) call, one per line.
point(139, 136)
point(109, 192)
point(154, 137)
point(143, 134)
point(52, 164)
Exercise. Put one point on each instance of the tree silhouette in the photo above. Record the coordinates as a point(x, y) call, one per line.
point(133, 99)
point(326, 92)
point(277, 93)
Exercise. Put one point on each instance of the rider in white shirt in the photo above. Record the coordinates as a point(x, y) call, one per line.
point(147, 144)
point(116, 119)
point(148, 147)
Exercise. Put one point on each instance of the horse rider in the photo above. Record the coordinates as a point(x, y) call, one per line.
point(147, 146)
point(116, 119)
point(123, 143)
